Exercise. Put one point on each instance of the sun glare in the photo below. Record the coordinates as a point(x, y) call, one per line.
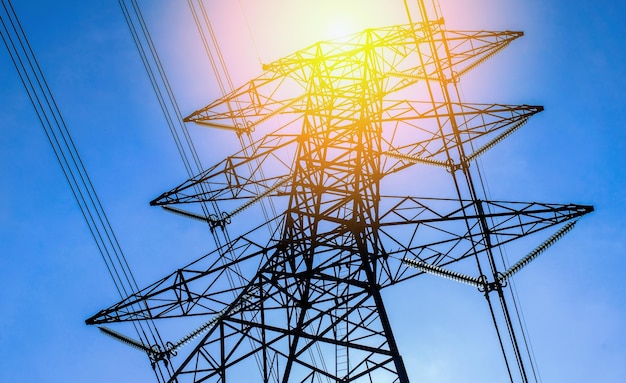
point(339, 27)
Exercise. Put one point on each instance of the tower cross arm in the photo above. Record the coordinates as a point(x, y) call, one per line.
point(282, 87)
point(238, 176)
point(440, 235)
point(412, 136)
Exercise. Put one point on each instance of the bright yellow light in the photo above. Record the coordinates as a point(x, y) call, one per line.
point(338, 28)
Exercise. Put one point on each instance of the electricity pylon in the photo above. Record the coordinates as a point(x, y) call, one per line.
point(296, 295)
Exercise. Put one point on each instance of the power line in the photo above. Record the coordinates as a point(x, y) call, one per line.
point(72, 166)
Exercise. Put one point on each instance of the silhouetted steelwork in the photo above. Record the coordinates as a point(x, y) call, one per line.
point(296, 295)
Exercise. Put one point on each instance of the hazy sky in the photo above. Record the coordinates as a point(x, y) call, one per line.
point(571, 60)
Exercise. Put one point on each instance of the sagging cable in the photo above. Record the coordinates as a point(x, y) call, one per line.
point(436, 270)
point(535, 253)
point(498, 139)
point(416, 159)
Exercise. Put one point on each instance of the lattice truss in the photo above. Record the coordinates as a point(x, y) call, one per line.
point(296, 295)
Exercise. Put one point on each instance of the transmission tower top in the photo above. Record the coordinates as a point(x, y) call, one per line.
point(295, 295)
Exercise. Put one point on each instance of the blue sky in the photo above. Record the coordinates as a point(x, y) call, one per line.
point(571, 60)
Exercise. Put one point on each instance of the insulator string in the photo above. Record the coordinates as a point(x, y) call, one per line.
point(537, 251)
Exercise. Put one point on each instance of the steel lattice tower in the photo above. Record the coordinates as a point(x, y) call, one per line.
point(297, 294)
